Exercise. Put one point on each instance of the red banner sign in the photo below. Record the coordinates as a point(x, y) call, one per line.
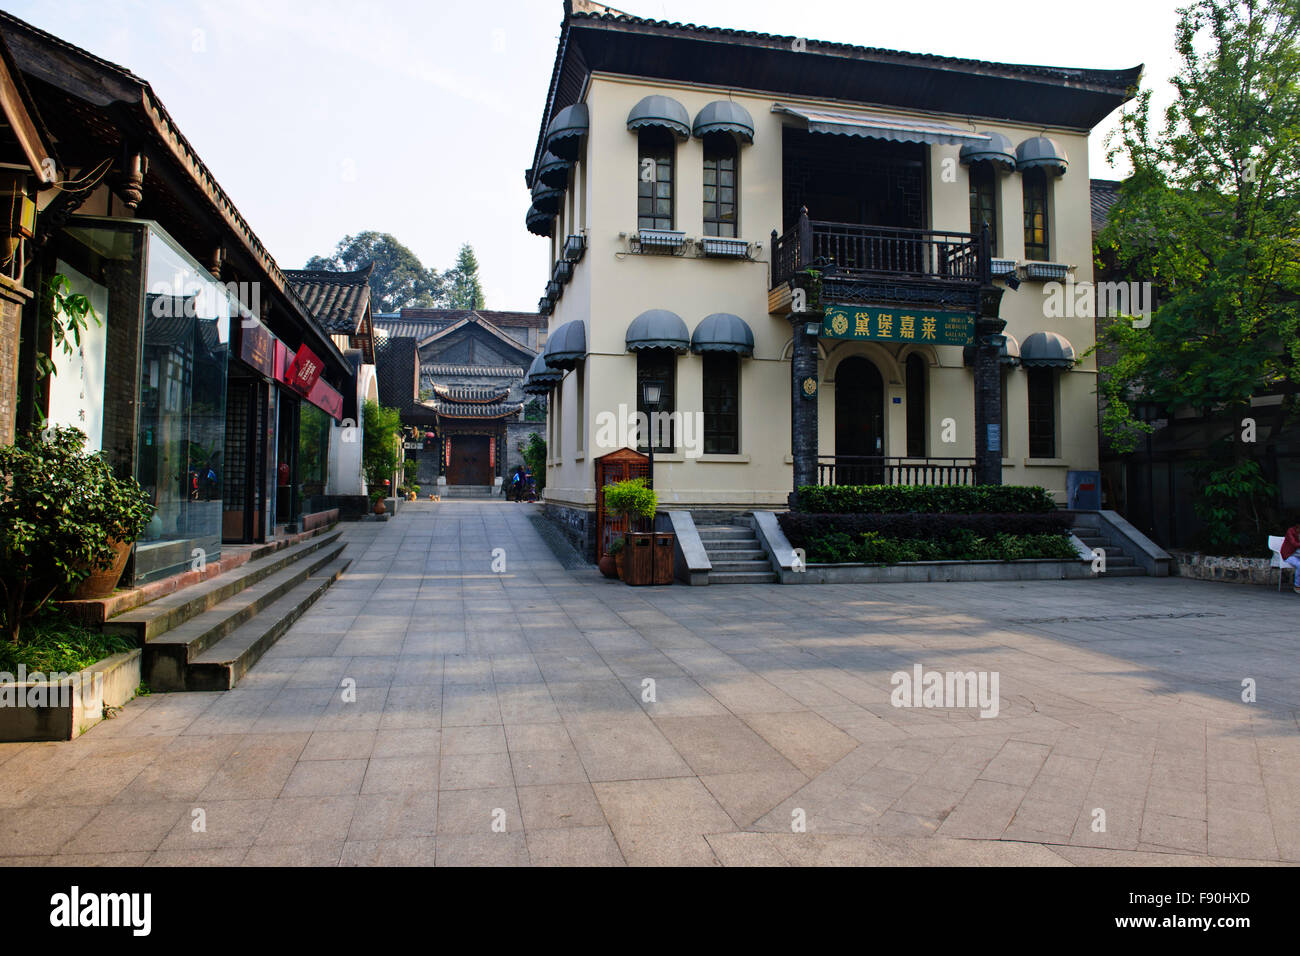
point(304, 370)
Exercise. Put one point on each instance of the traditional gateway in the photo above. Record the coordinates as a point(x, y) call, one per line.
point(775, 229)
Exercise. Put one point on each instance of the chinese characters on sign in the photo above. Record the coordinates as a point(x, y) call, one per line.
point(898, 324)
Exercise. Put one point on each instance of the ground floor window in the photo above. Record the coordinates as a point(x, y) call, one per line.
point(915, 406)
point(721, 403)
point(313, 450)
point(1042, 412)
point(658, 365)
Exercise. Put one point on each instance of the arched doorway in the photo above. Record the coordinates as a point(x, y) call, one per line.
point(859, 423)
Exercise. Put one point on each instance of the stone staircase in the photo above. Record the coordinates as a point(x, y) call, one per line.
point(468, 491)
point(736, 555)
point(1119, 564)
point(207, 636)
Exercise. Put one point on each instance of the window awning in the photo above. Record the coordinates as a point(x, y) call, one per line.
point(547, 199)
point(871, 126)
point(567, 345)
point(1047, 350)
point(1040, 151)
point(998, 150)
point(724, 116)
point(1009, 354)
point(723, 332)
point(554, 171)
point(568, 127)
point(658, 329)
point(663, 112)
point(541, 378)
point(539, 223)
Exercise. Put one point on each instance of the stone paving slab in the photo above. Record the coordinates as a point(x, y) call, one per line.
point(427, 711)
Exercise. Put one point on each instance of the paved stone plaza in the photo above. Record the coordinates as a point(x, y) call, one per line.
point(515, 699)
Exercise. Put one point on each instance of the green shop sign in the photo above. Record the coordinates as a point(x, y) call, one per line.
point(893, 324)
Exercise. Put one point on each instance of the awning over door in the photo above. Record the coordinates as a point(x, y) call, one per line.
point(874, 126)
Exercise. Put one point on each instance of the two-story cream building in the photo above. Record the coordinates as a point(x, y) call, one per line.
point(688, 178)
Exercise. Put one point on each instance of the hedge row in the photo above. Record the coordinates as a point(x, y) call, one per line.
point(800, 529)
point(931, 499)
point(961, 545)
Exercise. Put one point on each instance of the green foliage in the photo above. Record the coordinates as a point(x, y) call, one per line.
point(616, 546)
point(379, 430)
point(951, 499)
point(1224, 487)
point(534, 453)
point(631, 498)
point(1211, 216)
point(399, 278)
point(61, 511)
point(872, 547)
point(466, 292)
point(51, 642)
point(67, 313)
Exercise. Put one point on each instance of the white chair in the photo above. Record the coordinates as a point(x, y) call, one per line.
point(1275, 545)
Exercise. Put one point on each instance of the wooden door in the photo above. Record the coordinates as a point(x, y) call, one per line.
point(470, 461)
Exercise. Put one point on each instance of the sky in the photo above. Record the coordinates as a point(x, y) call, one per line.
point(418, 117)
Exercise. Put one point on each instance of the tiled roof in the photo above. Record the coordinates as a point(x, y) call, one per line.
point(447, 316)
point(338, 300)
point(459, 410)
point(1104, 193)
point(470, 394)
point(478, 371)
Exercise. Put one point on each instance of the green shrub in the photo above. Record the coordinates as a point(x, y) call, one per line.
point(872, 547)
point(799, 527)
point(951, 499)
point(631, 498)
point(52, 642)
point(59, 513)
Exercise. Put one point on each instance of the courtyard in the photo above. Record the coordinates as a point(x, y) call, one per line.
point(450, 703)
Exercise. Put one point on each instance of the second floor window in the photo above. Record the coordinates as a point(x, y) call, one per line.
point(655, 179)
point(984, 201)
point(1035, 187)
point(720, 169)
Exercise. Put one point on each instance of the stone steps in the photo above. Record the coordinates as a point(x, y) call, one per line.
point(1119, 564)
point(736, 555)
point(468, 491)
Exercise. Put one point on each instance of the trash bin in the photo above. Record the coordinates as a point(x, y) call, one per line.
point(638, 559)
point(665, 553)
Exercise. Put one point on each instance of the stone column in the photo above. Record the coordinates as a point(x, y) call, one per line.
point(989, 341)
point(803, 404)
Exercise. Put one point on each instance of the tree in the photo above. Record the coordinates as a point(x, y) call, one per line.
point(399, 278)
point(465, 292)
point(379, 430)
point(1211, 216)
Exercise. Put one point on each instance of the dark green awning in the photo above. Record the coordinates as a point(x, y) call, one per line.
point(724, 116)
point(541, 378)
point(661, 112)
point(553, 171)
point(547, 199)
point(658, 329)
point(567, 345)
point(1047, 350)
point(998, 150)
point(723, 332)
point(1040, 151)
point(568, 128)
point(538, 222)
point(1008, 354)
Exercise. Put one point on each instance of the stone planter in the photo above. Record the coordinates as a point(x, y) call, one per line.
point(66, 708)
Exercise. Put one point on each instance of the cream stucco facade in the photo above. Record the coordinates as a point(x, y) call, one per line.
point(612, 285)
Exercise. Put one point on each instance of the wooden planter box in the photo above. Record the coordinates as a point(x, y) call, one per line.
point(638, 559)
point(665, 549)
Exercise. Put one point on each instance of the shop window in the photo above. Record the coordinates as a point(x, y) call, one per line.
point(313, 450)
point(721, 403)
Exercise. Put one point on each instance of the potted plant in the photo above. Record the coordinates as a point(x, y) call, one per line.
point(634, 500)
point(377, 502)
point(64, 515)
point(611, 562)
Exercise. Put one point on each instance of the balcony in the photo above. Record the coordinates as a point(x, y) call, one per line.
point(880, 470)
point(879, 265)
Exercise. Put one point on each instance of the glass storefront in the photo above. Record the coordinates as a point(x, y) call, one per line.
point(313, 450)
point(169, 351)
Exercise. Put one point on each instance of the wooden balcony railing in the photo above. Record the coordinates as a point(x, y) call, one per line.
point(848, 250)
point(880, 470)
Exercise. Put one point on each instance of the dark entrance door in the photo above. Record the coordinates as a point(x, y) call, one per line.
point(859, 423)
point(470, 464)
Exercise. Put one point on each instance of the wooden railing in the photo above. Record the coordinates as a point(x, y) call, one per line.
point(880, 470)
point(848, 249)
